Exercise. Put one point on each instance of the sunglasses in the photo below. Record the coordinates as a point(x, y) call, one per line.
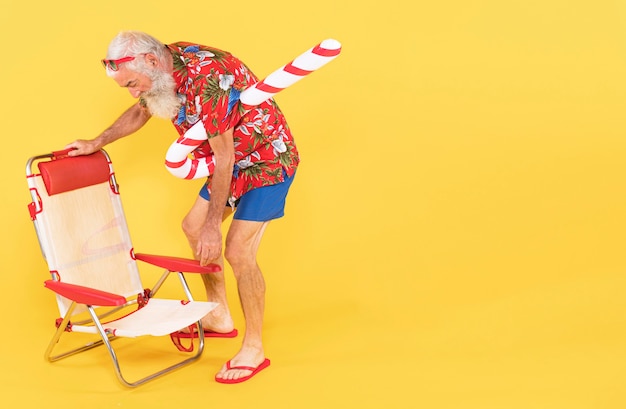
point(114, 65)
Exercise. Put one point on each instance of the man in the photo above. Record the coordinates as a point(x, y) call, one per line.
point(255, 161)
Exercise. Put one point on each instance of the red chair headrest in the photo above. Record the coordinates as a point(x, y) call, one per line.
point(74, 172)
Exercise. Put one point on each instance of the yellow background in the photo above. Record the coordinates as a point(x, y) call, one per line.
point(454, 237)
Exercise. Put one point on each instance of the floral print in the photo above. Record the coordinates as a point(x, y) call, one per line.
point(209, 82)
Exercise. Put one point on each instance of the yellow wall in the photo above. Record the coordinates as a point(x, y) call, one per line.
point(455, 234)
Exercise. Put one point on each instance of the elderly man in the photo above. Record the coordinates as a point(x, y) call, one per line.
point(187, 83)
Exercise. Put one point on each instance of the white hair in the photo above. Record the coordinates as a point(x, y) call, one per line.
point(134, 44)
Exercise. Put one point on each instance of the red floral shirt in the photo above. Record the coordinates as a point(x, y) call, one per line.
point(209, 82)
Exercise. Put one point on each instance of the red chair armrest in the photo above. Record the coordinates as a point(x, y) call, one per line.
point(178, 264)
point(85, 295)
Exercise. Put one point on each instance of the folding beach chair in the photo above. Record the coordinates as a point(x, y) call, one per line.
point(82, 231)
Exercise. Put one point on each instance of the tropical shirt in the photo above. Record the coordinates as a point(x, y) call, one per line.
point(209, 82)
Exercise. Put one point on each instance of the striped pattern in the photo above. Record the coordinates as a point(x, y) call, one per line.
point(177, 160)
point(300, 67)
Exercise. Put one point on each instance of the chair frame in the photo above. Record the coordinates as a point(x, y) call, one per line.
point(93, 298)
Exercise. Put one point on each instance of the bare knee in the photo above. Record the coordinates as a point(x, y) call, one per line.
point(232, 254)
point(193, 221)
point(239, 257)
point(250, 282)
point(242, 244)
point(190, 229)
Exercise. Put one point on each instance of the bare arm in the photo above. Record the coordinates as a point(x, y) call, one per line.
point(210, 240)
point(130, 121)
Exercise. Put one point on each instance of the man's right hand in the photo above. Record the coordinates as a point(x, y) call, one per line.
point(83, 147)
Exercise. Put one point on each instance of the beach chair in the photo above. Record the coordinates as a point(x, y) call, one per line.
point(80, 224)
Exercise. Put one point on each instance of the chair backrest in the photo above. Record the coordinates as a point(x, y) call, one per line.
point(81, 226)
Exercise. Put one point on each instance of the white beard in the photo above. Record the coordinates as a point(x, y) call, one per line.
point(161, 99)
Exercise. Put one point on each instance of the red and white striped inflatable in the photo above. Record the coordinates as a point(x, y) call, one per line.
point(177, 160)
point(311, 60)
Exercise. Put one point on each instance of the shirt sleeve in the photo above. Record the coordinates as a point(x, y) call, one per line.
point(220, 97)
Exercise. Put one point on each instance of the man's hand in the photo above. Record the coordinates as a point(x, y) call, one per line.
point(209, 246)
point(82, 147)
point(210, 241)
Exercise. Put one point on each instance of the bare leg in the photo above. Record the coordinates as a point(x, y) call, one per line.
point(219, 319)
point(242, 244)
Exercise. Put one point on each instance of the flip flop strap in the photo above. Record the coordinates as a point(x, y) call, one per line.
point(245, 368)
point(178, 343)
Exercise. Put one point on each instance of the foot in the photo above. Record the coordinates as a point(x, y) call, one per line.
point(215, 323)
point(218, 320)
point(221, 326)
point(192, 332)
point(242, 366)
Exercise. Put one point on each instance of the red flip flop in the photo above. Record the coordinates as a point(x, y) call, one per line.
point(207, 334)
point(254, 370)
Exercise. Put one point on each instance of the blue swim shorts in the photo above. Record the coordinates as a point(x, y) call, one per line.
point(261, 204)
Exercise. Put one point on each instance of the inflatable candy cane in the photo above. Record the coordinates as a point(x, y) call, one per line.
point(177, 160)
point(287, 75)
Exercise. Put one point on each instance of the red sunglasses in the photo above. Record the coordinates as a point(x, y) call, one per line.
point(114, 65)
